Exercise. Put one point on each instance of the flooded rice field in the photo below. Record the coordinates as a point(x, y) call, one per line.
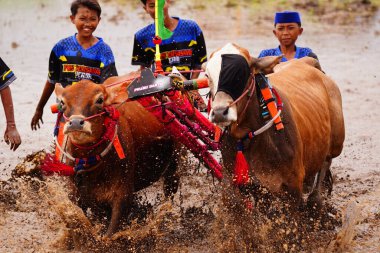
point(39, 214)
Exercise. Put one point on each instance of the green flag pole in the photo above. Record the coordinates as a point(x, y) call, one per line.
point(162, 32)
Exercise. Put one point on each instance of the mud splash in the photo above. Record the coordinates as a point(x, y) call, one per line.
point(202, 217)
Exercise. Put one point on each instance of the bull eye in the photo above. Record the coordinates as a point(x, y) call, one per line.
point(99, 101)
point(61, 104)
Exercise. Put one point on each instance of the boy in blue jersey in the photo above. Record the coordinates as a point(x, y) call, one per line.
point(185, 49)
point(81, 56)
point(11, 135)
point(287, 28)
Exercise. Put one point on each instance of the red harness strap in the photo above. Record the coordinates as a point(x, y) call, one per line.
point(110, 122)
point(270, 101)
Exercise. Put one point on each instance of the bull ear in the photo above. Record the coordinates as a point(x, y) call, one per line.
point(111, 93)
point(116, 87)
point(265, 64)
point(58, 90)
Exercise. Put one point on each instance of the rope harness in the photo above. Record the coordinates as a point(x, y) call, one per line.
point(251, 90)
point(271, 101)
point(110, 134)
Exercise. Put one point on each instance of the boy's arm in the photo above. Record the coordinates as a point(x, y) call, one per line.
point(11, 135)
point(53, 77)
point(37, 117)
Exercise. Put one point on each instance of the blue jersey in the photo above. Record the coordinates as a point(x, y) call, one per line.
point(300, 52)
point(185, 49)
point(6, 75)
point(69, 62)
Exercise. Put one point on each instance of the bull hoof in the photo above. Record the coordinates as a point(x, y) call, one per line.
point(314, 202)
point(328, 182)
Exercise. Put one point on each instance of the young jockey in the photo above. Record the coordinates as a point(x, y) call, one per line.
point(11, 135)
point(185, 49)
point(287, 28)
point(81, 56)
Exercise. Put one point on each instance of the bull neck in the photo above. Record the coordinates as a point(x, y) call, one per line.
point(85, 49)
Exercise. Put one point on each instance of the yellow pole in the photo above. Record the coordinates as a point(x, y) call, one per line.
point(158, 54)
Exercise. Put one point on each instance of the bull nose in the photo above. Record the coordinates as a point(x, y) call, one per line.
point(76, 124)
point(219, 114)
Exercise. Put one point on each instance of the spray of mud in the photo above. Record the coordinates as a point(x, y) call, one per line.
point(204, 216)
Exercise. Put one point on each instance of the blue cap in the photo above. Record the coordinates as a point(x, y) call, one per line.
point(287, 17)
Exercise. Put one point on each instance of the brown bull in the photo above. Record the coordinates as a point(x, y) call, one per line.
point(113, 181)
point(313, 134)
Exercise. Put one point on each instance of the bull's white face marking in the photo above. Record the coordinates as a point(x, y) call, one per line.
point(221, 99)
point(229, 114)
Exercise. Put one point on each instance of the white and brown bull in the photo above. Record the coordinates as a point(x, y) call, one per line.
point(313, 134)
point(110, 180)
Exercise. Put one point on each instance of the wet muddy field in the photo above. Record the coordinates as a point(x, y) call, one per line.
point(39, 214)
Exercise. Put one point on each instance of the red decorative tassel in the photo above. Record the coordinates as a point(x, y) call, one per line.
point(51, 165)
point(241, 170)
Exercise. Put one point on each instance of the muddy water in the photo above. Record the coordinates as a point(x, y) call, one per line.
point(40, 215)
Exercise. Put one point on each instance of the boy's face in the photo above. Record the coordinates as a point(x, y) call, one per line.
point(150, 7)
point(287, 33)
point(86, 21)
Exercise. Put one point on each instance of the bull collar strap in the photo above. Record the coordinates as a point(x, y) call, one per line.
point(111, 123)
point(81, 163)
point(269, 99)
point(241, 170)
point(279, 106)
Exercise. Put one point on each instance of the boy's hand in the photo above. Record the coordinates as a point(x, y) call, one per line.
point(12, 137)
point(36, 120)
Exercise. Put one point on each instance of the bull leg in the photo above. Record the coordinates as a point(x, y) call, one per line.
point(329, 182)
point(118, 207)
point(294, 195)
point(171, 179)
point(315, 199)
point(115, 219)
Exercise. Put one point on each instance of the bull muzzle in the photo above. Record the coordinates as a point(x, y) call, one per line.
point(220, 114)
point(223, 111)
point(77, 124)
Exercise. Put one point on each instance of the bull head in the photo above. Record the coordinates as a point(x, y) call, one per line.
point(228, 70)
point(78, 103)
